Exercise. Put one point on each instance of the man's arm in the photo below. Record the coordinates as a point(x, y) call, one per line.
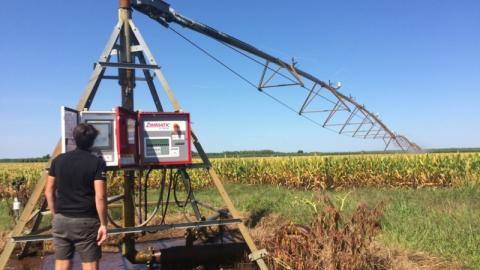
point(101, 205)
point(50, 193)
point(101, 201)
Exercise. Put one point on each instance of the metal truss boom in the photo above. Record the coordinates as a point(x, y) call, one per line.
point(161, 12)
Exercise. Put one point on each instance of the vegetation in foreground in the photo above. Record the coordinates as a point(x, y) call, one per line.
point(442, 222)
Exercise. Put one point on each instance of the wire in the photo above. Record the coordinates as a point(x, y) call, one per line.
point(213, 57)
point(242, 77)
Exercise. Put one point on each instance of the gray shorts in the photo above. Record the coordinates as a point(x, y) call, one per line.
point(79, 234)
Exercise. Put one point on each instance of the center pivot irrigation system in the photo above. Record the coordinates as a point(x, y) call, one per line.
point(135, 143)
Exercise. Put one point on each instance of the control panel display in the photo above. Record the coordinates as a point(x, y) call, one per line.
point(104, 139)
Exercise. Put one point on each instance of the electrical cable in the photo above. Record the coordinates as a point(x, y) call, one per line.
point(110, 219)
point(138, 209)
point(179, 174)
point(157, 207)
point(145, 193)
point(167, 202)
point(213, 57)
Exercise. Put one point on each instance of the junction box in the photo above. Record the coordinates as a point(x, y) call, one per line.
point(164, 138)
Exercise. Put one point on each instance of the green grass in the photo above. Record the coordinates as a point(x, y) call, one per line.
point(6, 221)
point(291, 204)
point(441, 222)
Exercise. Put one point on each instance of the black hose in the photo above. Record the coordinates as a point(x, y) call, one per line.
point(189, 188)
point(139, 211)
point(145, 187)
point(168, 196)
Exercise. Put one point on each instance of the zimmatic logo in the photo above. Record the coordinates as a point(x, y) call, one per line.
point(156, 125)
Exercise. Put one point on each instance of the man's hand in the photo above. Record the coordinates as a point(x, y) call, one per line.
point(102, 234)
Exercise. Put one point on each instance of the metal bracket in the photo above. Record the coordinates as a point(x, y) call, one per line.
point(128, 65)
point(257, 255)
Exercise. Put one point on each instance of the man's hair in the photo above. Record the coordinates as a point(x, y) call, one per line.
point(84, 135)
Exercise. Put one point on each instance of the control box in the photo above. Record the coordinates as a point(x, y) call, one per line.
point(117, 138)
point(164, 138)
point(126, 137)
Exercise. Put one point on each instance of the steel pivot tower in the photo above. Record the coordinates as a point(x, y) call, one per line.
point(133, 54)
point(127, 84)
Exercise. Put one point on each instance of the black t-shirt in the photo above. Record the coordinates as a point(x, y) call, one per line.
point(74, 174)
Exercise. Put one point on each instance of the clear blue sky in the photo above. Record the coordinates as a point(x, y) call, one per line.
point(417, 63)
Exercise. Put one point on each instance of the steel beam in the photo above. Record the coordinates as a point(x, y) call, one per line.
point(309, 99)
point(263, 84)
point(387, 144)
point(359, 126)
point(128, 65)
point(35, 228)
point(348, 119)
point(260, 83)
point(334, 110)
point(373, 125)
point(376, 134)
point(132, 230)
point(116, 78)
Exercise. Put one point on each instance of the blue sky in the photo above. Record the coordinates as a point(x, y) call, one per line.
point(416, 63)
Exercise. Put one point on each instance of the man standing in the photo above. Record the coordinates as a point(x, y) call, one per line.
point(76, 195)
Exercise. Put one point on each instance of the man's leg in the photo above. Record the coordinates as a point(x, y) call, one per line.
point(64, 248)
point(63, 264)
point(90, 265)
point(87, 246)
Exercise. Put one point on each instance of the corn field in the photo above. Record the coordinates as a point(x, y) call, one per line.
point(310, 172)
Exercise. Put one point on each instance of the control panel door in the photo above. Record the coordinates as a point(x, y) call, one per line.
point(127, 137)
point(70, 119)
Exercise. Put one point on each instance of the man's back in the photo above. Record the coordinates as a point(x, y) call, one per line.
point(76, 195)
point(75, 173)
